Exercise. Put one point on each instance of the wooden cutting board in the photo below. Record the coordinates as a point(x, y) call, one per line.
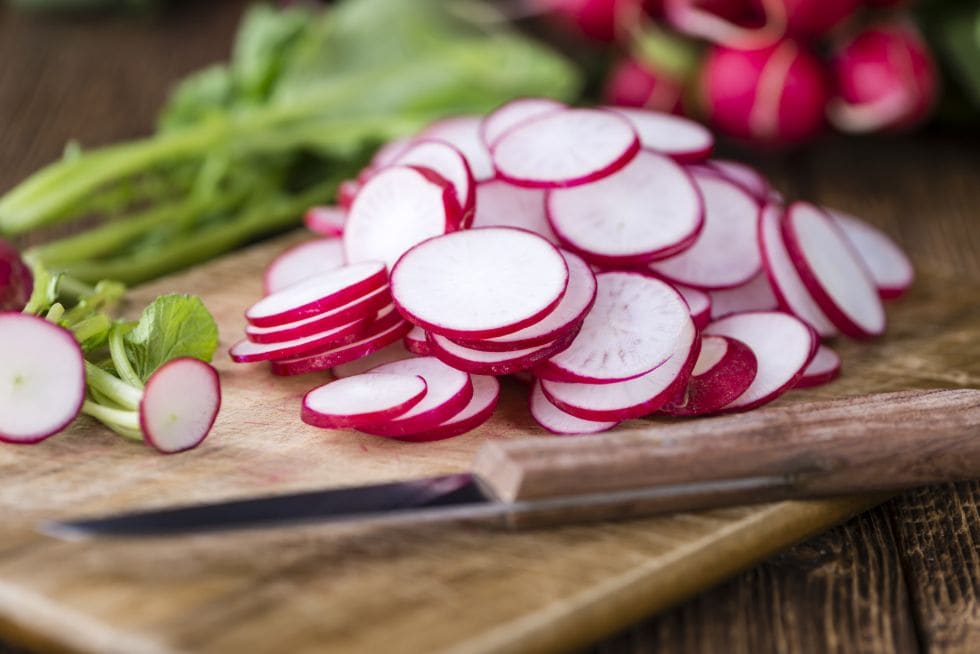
point(431, 588)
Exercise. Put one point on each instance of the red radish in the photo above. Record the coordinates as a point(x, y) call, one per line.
point(302, 262)
point(633, 328)
point(726, 252)
point(417, 343)
point(42, 378)
point(449, 391)
point(890, 269)
point(773, 95)
point(475, 283)
point(636, 83)
point(362, 400)
point(16, 280)
point(832, 271)
point(808, 18)
point(446, 161)
point(724, 370)
point(500, 204)
point(699, 304)
point(247, 351)
point(347, 190)
point(486, 392)
point(463, 133)
point(633, 398)
point(326, 221)
point(513, 113)
point(394, 352)
point(361, 308)
point(388, 153)
point(179, 406)
point(549, 416)
point(565, 148)
point(745, 176)
point(601, 20)
point(735, 23)
point(783, 346)
point(399, 207)
point(479, 362)
point(754, 295)
point(681, 139)
point(785, 280)
point(649, 209)
point(824, 368)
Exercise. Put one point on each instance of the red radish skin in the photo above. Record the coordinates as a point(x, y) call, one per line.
point(394, 352)
point(474, 283)
point(302, 262)
point(16, 280)
point(890, 268)
point(180, 403)
point(42, 378)
point(318, 294)
point(733, 23)
point(679, 138)
point(833, 272)
point(486, 393)
point(783, 346)
point(513, 113)
point(565, 148)
point(449, 163)
point(699, 304)
point(362, 400)
point(365, 307)
point(808, 18)
point(326, 221)
point(649, 209)
point(824, 368)
point(754, 295)
point(417, 343)
point(549, 416)
point(480, 362)
point(601, 20)
point(246, 351)
point(724, 370)
point(633, 328)
point(636, 83)
point(464, 134)
point(500, 204)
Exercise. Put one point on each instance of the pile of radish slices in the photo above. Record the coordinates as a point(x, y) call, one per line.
point(598, 254)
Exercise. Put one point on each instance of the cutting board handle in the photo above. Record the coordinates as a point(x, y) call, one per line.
point(861, 444)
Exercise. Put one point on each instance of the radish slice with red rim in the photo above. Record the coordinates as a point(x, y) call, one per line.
point(648, 209)
point(362, 400)
point(347, 190)
point(324, 220)
point(500, 204)
point(832, 271)
point(824, 368)
point(745, 176)
point(398, 208)
point(888, 265)
point(479, 362)
point(754, 295)
point(724, 370)
point(474, 283)
point(549, 416)
point(247, 351)
point(388, 153)
point(633, 328)
point(679, 138)
point(726, 252)
point(302, 262)
point(416, 342)
point(486, 393)
point(365, 307)
point(783, 346)
point(565, 148)
point(448, 162)
point(698, 302)
point(463, 133)
point(42, 378)
point(513, 113)
point(318, 294)
point(394, 352)
point(180, 404)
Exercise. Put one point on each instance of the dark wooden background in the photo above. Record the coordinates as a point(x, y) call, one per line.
point(904, 577)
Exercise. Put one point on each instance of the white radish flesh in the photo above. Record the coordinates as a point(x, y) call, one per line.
point(500, 204)
point(302, 262)
point(480, 362)
point(180, 404)
point(724, 370)
point(486, 393)
point(417, 343)
point(388, 153)
point(362, 400)
point(247, 351)
point(463, 133)
point(698, 302)
point(326, 221)
point(394, 352)
point(549, 416)
point(681, 139)
point(890, 268)
point(754, 295)
point(365, 307)
point(824, 368)
point(745, 176)
point(448, 162)
point(513, 113)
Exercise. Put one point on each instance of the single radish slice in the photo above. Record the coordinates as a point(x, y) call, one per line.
point(699, 304)
point(302, 262)
point(479, 362)
point(832, 271)
point(347, 190)
point(247, 351)
point(754, 295)
point(783, 346)
point(724, 370)
point(365, 307)
point(448, 162)
point(317, 294)
point(785, 281)
point(633, 398)
point(463, 133)
point(726, 252)
point(326, 221)
point(549, 416)
point(565, 148)
point(388, 153)
point(362, 400)
point(633, 328)
point(649, 209)
point(42, 378)
point(486, 393)
point(745, 176)
point(180, 403)
point(398, 208)
point(824, 368)
point(890, 268)
point(501, 204)
point(679, 138)
point(475, 283)
point(513, 113)
point(394, 352)
point(416, 342)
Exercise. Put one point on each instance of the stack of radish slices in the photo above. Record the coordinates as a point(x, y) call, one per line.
point(597, 254)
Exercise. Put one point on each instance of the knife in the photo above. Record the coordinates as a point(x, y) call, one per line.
point(881, 442)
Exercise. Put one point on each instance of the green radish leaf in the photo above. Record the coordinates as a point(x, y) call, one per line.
point(173, 326)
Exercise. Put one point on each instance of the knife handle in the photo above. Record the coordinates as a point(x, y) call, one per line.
point(879, 442)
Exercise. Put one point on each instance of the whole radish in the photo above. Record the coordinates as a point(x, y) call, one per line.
point(636, 83)
point(805, 18)
point(773, 95)
point(16, 281)
point(885, 78)
point(601, 20)
point(735, 23)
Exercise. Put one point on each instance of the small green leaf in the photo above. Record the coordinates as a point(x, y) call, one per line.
point(172, 326)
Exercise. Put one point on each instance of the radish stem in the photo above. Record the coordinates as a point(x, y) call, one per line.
point(117, 349)
point(112, 387)
point(129, 421)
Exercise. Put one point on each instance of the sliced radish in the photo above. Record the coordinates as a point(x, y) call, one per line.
point(724, 370)
point(180, 403)
point(302, 262)
point(565, 148)
point(463, 133)
point(890, 269)
point(745, 176)
point(394, 352)
point(785, 281)
point(649, 209)
point(514, 113)
point(448, 162)
point(726, 252)
point(832, 271)
point(246, 351)
point(486, 392)
point(698, 302)
point(825, 367)
point(42, 378)
point(327, 221)
point(783, 346)
point(388, 153)
point(475, 283)
point(549, 416)
point(365, 307)
point(398, 208)
point(480, 362)
point(754, 295)
point(362, 400)
point(416, 342)
point(501, 204)
point(679, 138)
point(633, 327)
point(633, 398)
point(318, 294)
point(347, 190)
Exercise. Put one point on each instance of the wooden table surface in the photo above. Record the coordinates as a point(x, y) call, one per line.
point(904, 577)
